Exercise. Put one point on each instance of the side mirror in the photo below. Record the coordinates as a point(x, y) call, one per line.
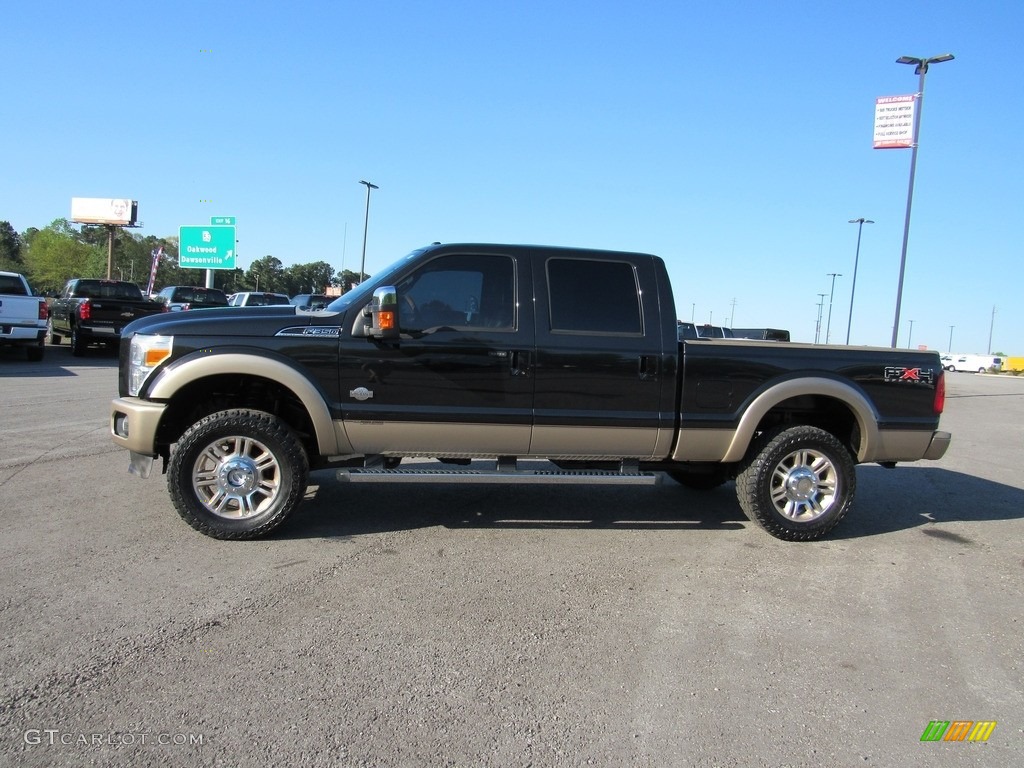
point(384, 313)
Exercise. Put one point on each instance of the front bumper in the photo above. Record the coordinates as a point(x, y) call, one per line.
point(134, 424)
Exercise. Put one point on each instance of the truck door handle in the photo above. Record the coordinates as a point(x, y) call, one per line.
point(648, 369)
point(519, 363)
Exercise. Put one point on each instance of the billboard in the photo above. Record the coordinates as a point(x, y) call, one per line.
point(894, 122)
point(104, 210)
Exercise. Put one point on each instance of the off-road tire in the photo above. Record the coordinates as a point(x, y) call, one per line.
point(237, 474)
point(797, 483)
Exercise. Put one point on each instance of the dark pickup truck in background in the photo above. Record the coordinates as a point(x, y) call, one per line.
point(483, 355)
point(93, 311)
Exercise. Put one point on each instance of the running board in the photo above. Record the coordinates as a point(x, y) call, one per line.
point(480, 476)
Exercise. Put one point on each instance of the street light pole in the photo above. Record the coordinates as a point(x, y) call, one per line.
point(817, 328)
point(950, 350)
point(991, 325)
point(366, 223)
point(910, 335)
point(922, 70)
point(828, 327)
point(856, 259)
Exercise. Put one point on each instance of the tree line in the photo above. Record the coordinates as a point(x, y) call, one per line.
point(51, 256)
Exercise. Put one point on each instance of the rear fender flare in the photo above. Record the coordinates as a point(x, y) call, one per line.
point(863, 411)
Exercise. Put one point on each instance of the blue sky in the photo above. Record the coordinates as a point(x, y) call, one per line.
point(732, 139)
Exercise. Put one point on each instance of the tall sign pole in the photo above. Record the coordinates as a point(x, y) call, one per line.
point(922, 70)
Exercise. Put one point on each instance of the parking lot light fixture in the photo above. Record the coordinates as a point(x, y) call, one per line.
point(921, 70)
point(856, 259)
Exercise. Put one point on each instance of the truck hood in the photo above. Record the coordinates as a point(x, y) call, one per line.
point(229, 321)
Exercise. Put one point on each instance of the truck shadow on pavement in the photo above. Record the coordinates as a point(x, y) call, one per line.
point(920, 497)
point(887, 501)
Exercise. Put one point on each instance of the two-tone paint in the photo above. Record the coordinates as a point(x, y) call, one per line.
point(525, 390)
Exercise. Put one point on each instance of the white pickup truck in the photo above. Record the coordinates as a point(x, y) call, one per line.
point(22, 315)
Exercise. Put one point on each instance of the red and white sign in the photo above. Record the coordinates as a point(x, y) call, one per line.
point(894, 122)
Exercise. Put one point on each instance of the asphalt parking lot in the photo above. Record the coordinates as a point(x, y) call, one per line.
point(446, 625)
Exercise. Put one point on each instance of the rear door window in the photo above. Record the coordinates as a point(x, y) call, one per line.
point(587, 296)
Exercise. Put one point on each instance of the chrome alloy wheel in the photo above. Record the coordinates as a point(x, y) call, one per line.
point(804, 485)
point(236, 477)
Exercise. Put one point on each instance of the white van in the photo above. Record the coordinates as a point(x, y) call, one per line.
point(972, 363)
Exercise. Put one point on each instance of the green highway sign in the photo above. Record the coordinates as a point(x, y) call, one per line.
point(206, 247)
point(229, 220)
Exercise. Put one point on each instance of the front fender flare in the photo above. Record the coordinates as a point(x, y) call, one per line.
point(191, 368)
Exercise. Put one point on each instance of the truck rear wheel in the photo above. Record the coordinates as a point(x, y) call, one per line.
point(797, 483)
point(237, 474)
point(34, 353)
point(78, 344)
point(51, 337)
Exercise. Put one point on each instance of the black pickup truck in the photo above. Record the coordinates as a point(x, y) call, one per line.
point(93, 311)
point(495, 353)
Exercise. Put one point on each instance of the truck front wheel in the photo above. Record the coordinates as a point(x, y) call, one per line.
point(237, 474)
point(797, 483)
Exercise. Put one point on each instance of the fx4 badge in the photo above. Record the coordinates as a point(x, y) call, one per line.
point(913, 375)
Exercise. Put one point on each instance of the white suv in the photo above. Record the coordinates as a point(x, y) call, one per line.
point(256, 299)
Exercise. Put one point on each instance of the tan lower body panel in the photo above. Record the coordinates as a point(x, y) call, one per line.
point(483, 440)
point(703, 444)
point(601, 442)
point(890, 445)
point(902, 445)
point(405, 438)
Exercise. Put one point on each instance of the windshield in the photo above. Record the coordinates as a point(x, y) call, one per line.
point(362, 292)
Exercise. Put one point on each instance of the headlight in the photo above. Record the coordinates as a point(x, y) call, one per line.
point(147, 352)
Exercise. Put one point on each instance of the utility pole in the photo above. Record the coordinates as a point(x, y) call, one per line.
point(732, 313)
point(910, 335)
point(991, 325)
point(950, 350)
